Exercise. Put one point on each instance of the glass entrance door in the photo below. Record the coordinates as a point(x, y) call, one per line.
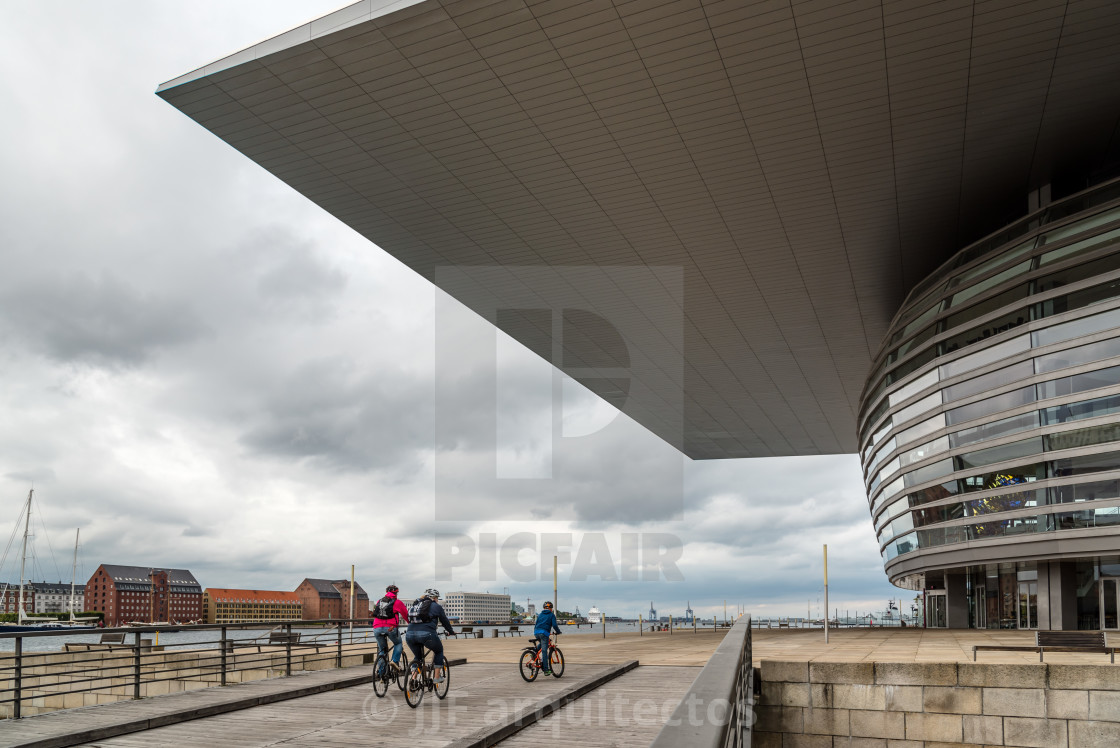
point(979, 609)
point(1028, 605)
point(1110, 588)
point(936, 609)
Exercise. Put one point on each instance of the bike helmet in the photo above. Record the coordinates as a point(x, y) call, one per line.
point(548, 606)
point(431, 592)
point(392, 588)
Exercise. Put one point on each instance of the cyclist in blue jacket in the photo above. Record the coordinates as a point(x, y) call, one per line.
point(542, 629)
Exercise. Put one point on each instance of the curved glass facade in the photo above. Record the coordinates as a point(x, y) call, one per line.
point(992, 414)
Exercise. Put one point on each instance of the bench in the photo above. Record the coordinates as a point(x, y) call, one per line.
point(107, 641)
point(511, 631)
point(470, 633)
point(1058, 641)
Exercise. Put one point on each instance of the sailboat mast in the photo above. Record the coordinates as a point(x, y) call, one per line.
point(74, 571)
point(23, 559)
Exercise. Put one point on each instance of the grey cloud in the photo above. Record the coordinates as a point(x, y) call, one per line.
point(96, 320)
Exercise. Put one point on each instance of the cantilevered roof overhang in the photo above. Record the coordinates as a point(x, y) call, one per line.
point(804, 164)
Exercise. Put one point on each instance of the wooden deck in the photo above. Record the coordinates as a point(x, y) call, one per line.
point(480, 695)
point(628, 712)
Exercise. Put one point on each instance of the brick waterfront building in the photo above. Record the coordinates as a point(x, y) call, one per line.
point(250, 606)
point(143, 593)
point(326, 599)
point(9, 599)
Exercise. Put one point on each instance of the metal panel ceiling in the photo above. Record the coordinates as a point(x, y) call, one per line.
point(805, 163)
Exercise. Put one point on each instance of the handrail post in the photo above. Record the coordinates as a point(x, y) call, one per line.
point(136, 668)
point(224, 645)
point(18, 695)
point(287, 649)
point(338, 650)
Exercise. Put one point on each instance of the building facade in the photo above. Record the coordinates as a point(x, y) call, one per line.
point(9, 599)
point(990, 427)
point(323, 599)
point(56, 598)
point(473, 607)
point(126, 594)
point(250, 606)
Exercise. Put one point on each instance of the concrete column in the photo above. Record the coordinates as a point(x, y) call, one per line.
point(1062, 601)
point(957, 600)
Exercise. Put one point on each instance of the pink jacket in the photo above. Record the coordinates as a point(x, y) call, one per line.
point(398, 608)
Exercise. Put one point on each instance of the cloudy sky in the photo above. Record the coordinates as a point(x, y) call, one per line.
point(203, 370)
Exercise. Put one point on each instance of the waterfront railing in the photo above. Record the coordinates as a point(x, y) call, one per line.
point(718, 710)
point(94, 672)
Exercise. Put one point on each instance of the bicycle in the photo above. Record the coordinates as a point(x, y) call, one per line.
point(531, 661)
point(421, 678)
point(381, 682)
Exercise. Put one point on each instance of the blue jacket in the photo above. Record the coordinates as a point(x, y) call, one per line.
point(546, 622)
point(437, 616)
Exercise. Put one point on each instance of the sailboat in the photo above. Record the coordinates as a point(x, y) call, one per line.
point(25, 622)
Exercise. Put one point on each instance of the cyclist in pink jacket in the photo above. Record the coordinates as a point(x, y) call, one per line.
point(387, 612)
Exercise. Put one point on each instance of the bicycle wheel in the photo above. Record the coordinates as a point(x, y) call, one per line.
point(380, 682)
point(414, 686)
point(402, 671)
point(441, 688)
point(529, 665)
point(556, 661)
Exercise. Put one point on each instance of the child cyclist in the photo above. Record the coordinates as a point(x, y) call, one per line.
point(542, 629)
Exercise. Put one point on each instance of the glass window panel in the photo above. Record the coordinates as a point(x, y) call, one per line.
point(1098, 406)
point(996, 261)
point(986, 356)
point(995, 429)
point(1099, 489)
point(1085, 464)
point(928, 449)
point(923, 429)
point(934, 493)
point(909, 367)
point(883, 452)
point(1001, 453)
point(914, 410)
point(929, 472)
point(1076, 248)
point(1081, 272)
point(1077, 328)
point(890, 467)
point(1005, 477)
point(987, 330)
point(882, 501)
point(1079, 299)
point(1056, 235)
point(1109, 432)
point(1083, 382)
point(988, 283)
point(989, 381)
point(912, 344)
point(1006, 401)
point(926, 380)
point(886, 495)
point(987, 306)
point(917, 323)
point(894, 508)
point(903, 524)
point(1082, 354)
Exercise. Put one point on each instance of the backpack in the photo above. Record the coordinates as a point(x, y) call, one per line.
point(384, 608)
point(418, 611)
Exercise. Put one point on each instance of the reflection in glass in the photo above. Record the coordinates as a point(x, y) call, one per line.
point(991, 380)
point(995, 429)
point(986, 356)
point(997, 404)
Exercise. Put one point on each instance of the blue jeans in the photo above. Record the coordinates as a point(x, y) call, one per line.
point(389, 633)
point(543, 636)
point(417, 640)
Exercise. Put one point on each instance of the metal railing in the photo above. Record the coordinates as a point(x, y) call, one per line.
point(718, 710)
point(134, 667)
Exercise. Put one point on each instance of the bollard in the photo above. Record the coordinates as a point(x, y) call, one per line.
point(604, 619)
point(670, 624)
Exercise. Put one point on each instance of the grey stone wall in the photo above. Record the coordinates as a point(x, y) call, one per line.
point(937, 705)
